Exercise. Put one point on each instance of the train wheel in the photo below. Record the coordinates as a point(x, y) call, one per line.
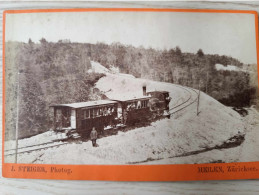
point(160, 112)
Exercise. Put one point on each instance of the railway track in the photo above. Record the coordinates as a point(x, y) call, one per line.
point(35, 147)
point(185, 103)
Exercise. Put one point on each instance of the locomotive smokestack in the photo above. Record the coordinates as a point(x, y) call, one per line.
point(144, 90)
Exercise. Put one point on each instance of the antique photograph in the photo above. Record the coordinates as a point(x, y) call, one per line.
point(130, 88)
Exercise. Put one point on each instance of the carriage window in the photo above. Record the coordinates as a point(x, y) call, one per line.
point(85, 114)
point(105, 111)
point(91, 113)
point(109, 111)
point(144, 104)
point(95, 112)
point(128, 107)
point(101, 111)
point(133, 105)
point(112, 109)
point(58, 114)
point(139, 104)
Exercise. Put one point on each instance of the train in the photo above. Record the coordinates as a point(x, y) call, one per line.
point(111, 113)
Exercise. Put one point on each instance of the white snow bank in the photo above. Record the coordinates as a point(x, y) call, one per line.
point(246, 152)
point(228, 67)
point(98, 68)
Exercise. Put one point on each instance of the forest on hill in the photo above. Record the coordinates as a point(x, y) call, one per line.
point(196, 70)
point(57, 72)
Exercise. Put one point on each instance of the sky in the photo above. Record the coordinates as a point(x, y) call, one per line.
point(215, 33)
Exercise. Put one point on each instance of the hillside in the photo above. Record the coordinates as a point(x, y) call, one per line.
point(160, 142)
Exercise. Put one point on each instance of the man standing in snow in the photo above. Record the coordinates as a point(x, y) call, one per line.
point(93, 137)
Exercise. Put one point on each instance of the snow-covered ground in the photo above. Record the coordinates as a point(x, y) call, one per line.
point(163, 140)
point(229, 68)
point(98, 68)
point(246, 152)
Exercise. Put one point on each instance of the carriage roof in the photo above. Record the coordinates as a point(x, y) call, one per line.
point(132, 98)
point(149, 92)
point(86, 104)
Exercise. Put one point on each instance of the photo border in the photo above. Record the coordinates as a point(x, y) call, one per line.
point(172, 172)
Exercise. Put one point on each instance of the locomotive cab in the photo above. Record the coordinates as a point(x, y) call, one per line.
point(161, 100)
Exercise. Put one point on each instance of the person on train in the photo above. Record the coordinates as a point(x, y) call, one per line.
point(105, 112)
point(128, 107)
point(133, 106)
point(101, 111)
point(109, 111)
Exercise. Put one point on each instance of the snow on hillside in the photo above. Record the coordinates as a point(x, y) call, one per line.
point(98, 68)
point(114, 70)
point(158, 143)
point(229, 68)
point(246, 152)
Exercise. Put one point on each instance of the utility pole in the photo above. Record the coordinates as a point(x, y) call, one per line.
point(207, 82)
point(198, 101)
point(17, 119)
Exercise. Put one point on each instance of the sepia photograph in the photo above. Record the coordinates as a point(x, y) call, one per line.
point(130, 88)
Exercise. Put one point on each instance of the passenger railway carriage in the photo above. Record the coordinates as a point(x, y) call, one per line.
point(114, 112)
point(84, 116)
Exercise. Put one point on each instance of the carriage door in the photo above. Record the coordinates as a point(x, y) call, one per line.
point(73, 119)
point(58, 119)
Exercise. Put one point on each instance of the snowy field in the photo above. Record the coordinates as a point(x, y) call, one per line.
point(161, 142)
